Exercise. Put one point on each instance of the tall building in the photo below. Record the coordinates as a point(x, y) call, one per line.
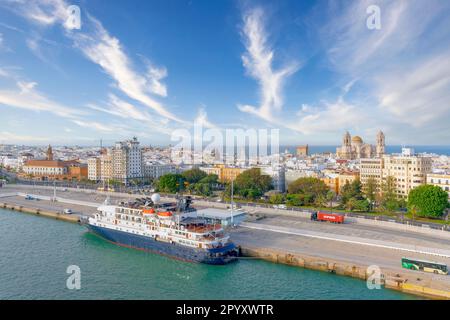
point(106, 165)
point(303, 151)
point(381, 144)
point(50, 153)
point(441, 180)
point(355, 148)
point(407, 169)
point(371, 168)
point(94, 169)
point(127, 160)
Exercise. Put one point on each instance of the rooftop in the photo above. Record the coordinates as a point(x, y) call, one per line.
point(220, 214)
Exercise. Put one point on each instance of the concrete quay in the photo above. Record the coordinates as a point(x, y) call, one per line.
point(389, 278)
point(44, 213)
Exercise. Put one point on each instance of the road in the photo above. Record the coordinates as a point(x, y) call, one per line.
point(386, 260)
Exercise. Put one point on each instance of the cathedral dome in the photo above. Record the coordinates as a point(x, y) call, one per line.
point(357, 140)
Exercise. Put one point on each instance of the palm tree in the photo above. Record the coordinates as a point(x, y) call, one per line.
point(413, 210)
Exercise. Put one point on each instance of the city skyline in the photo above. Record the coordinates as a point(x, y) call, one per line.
point(313, 70)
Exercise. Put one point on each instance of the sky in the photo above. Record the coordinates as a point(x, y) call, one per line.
point(145, 68)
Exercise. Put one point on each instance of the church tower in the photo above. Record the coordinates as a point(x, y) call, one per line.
point(380, 144)
point(346, 149)
point(49, 153)
point(347, 140)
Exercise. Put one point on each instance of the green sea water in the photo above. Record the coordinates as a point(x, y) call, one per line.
point(35, 253)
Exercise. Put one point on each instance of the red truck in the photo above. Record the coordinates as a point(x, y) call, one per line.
point(331, 217)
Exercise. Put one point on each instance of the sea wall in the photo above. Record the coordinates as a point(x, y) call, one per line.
point(391, 280)
point(40, 212)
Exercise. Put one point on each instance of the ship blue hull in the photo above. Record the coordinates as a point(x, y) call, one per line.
point(218, 256)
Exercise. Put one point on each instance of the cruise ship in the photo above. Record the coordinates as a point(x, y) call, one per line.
point(173, 231)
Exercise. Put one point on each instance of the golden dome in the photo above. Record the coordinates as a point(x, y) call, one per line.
point(357, 139)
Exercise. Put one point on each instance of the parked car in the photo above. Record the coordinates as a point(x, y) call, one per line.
point(68, 211)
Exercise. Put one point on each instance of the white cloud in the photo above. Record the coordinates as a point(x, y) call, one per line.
point(100, 47)
point(107, 52)
point(27, 97)
point(154, 77)
point(418, 95)
point(328, 118)
point(12, 137)
point(258, 61)
point(202, 119)
point(95, 125)
point(402, 69)
point(42, 12)
point(123, 109)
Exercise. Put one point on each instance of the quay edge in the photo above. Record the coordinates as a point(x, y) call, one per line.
point(40, 212)
point(391, 280)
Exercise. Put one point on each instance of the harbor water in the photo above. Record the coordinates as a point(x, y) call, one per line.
point(36, 252)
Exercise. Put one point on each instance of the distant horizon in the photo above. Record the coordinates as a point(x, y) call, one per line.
point(167, 145)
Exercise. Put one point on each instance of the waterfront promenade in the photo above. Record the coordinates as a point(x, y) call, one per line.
point(293, 239)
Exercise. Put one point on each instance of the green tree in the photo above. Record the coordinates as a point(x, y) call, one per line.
point(203, 189)
point(308, 189)
point(251, 184)
point(361, 205)
point(170, 183)
point(194, 175)
point(351, 204)
point(330, 196)
point(388, 198)
point(211, 179)
point(114, 182)
point(351, 191)
point(320, 200)
point(370, 189)
point(276, 199)
point(429, 201)
point(294, 200)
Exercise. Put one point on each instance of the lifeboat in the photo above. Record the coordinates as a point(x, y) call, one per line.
point(165, 214)
point(148, 211)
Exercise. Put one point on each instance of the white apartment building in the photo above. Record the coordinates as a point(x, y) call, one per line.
point(440, 180)
point(155, 171)
point(127, 160)
point(371, 168)
point(409, 170)
point(94, 169)
point(106, 166)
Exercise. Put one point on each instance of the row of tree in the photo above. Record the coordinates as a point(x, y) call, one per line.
point(194, 181)
point(426, 201)
point(249, 185)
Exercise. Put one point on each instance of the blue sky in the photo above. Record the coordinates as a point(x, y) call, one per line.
point(309, 68)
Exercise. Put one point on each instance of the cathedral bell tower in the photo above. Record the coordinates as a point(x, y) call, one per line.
point(380, 144)
point(49, 153)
